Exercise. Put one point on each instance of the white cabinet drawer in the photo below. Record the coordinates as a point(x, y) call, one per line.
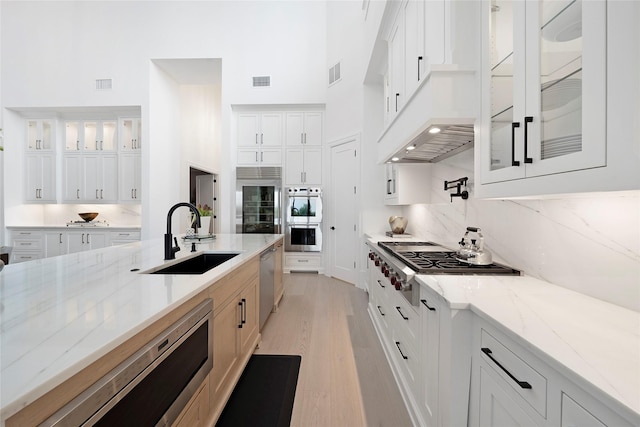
point(23, 256)
point(406, 318)
point(520, 376)
point(125, 235)
point(303, 261)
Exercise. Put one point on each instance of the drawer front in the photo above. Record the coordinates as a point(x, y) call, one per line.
point(407, 360)
point(520, 376)
point(575, 415)
point(406, 318)
point(22, 256)
point(26, 245)
point(302, 261)
point(125, 235)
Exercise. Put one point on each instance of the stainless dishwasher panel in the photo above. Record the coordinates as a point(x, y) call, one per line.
point(152, 386)
point(267, 270)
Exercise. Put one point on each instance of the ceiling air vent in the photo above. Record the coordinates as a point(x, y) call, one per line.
point(104, 84)
point(334, 74)
point(262, 81)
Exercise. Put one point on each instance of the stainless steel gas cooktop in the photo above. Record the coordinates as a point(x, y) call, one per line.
point(430, 258)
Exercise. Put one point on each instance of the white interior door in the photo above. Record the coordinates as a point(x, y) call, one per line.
point(342, 224)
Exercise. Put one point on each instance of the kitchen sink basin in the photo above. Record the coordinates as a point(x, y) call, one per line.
point(198, 264)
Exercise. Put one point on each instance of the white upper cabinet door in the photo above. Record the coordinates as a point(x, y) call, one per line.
point(303, 128)
point(130, 134)
point(544, 73)
point(313, 166)
point(294, 133)
point(40, 178)
point(72, 136)
point(72, 179)
point(414, 43)
point(40, 134)
point(248, 130)
point(99, 135)
point(271, 129)
point(130, 177)
point(294, 170)
point(313, 128)
point(396, 67)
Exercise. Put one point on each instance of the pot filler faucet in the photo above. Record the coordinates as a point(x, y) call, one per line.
point(170, 251)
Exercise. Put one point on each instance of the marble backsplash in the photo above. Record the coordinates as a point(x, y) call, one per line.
point(588, 243)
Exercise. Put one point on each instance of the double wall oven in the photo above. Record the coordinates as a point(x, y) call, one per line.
point(303, 219)
point(399, 262)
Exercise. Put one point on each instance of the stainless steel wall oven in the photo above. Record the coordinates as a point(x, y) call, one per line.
point(303, 232)
point(153, 386)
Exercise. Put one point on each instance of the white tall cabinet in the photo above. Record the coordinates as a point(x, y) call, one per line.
point(259, 138)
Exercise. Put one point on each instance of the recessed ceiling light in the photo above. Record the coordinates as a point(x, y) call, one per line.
point(434, 130)
point(411, 147)
point(395, 159)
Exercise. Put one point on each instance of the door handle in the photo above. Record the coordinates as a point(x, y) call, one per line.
point(240, 305)
point(419, 61)
point(514, 162)
point(332, 227)
point(83, 238)
point(522, 384)
point(527, 119)
point(88, 242)
point(397, 95)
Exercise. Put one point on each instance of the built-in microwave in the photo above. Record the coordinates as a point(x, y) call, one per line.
point(304, 205)
point(303, 238)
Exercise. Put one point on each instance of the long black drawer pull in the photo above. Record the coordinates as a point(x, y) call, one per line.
point(381, 313)
point(522, 384)
point(381, 285)
point(244, 311)
point(241, 322)
point(424, 301)
point(400, 350)
point(527, 119)
point(401, 314)
point(514, 162)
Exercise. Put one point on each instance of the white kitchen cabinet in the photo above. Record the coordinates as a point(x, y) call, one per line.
point(513, 386)
point(90, 135)
point(303, 128)
point(398, 95)
point(260, 139)
point(123, 237)
point(303, 166)
point(260, 129)
point(407, 183)
point(544, 86)
point(40, 178)
point(130, 133)
point(55, 243)
point(27, 245)
point(260, 157)
point(90, 178)
point(40, 134)
point(428, 395)
point(84, 240)
point(130, 177)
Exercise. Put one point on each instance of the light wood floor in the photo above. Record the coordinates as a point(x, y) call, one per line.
point(344, 380)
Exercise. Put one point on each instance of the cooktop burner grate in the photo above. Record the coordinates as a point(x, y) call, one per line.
point(424, 260)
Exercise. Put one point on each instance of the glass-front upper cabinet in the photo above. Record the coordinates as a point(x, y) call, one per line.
point(130, 134)
point(91, 135)
point(544, 76)
point(40, 134)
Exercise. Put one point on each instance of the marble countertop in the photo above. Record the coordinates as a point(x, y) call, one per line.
point(595, 343)
point(73, 227)
point(59, 315)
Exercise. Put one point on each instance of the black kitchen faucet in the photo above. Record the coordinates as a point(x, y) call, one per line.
point(170, 251)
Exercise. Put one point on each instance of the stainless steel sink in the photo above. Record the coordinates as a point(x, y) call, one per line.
point(198, 264)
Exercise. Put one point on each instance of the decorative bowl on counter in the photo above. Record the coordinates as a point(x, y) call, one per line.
point(398, 224)
point(88, 216)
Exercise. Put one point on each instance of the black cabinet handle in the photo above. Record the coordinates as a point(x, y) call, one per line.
point(527, 119)
point(241, 322)
point(381, 313)
point(244, 311)
point(419, 60)
point(522, 384)
point(401, 314)
point(332, 227)
point(397, 95)
point(424, 301)
point(514, 162)
point(400, 350)
point(381, 285)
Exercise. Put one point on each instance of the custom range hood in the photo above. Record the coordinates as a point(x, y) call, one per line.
point(437, 120)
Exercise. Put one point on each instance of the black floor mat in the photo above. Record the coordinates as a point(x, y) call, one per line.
point(264, 394)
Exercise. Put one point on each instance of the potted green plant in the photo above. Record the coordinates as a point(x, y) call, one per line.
point(205, 219)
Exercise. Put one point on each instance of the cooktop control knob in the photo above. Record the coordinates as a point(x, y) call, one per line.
point(371, 256)
point(393, 280)
point(386, 272)
point(377, 262)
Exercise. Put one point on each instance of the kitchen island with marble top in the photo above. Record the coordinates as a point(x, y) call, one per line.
point(62, 316)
